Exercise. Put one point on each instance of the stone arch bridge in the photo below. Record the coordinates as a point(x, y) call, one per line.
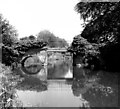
point(43, 53)
point(39, 58)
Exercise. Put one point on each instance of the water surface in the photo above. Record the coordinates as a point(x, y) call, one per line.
point(61, 85)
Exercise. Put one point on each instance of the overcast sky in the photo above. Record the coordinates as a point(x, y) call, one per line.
point(29, 17)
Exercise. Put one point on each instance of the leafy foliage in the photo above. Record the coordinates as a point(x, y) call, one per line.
point(25, 45)
point(8, 82)
point(13, 49)
point(18, 50)
point(102, 25)
point(31, 37)
point(81, 46)
point(88, 51)
point(8, 34)
point(9, 55)
point(51, 39)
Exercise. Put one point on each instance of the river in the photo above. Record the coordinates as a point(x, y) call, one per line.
point(62, 85)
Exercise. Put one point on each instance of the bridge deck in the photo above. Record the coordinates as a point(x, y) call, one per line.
point(56, 49)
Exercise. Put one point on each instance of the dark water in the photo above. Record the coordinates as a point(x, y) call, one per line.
point(61, 85)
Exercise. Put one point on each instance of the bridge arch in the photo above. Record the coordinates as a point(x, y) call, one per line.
point(44, 53)
point(24, 68)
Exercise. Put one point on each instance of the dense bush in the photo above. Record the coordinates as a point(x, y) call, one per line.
point(88, 51)
point(9, 55)
point(81, 46)
point(8, 82)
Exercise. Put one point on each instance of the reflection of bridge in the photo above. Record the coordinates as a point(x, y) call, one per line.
point(59, 84)
point(43, 55)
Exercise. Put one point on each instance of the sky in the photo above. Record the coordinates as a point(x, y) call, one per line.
point(29, 17)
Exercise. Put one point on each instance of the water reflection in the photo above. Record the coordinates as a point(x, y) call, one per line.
point(58, 94)
point(56, 89)
point(100, 89)
point(31, 83)
point(60, 70)
point(31, 65)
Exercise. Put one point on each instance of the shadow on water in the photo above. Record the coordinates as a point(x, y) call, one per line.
point(99, 88)
point(86, 88)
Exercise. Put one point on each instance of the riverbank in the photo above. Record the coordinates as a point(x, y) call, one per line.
point(8, 82)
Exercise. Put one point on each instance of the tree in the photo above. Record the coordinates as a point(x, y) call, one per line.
point(51, 39)
point(8, 34)
point(31, 37)
point(89, 52)
point(8, 37)
point(12, 48)
point(102, 25)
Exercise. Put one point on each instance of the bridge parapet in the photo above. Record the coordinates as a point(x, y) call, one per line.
point(56, 50)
